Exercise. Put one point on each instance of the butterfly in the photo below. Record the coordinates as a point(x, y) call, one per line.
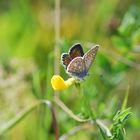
point(76, 62)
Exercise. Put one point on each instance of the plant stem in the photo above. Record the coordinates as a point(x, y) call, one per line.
point(92, 114)
point(10, 124)
point(68, 111)
point(57, 37)
point(91, 111)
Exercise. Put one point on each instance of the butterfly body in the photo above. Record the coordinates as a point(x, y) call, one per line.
point(77, 63)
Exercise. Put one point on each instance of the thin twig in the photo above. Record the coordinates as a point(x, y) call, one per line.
point(68, 111)
point(54, 124)
point(57, 37)
point(57, 50)
point(19, 117)
point(85, 126)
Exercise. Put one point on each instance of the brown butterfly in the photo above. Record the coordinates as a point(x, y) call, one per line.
point(76, 62)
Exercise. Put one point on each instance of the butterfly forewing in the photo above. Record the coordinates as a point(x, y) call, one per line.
point(76, 51)
point(90, 56)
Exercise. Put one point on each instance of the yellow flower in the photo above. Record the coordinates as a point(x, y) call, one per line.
point(58, 82)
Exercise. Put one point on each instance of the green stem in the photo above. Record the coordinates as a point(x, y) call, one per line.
point(125, 99)
point(103, 129)
point(10, 124)
point(57, 36)
point(90, 110)
point(68, 111)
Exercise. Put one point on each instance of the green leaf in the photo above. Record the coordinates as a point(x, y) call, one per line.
point(106, 131)
point(121, 43)
point(116, 115)
point(131, 22)
point(125, 117)
point(119, 115)
point(125, 99)
point(104, 62)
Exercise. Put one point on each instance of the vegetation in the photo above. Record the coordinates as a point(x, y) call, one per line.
point(33, 35)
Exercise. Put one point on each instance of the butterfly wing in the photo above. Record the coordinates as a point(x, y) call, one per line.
point(65, 59)
point(76, 51)
point(90, 56)
point(77, 68)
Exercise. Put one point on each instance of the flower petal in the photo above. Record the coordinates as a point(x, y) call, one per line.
point(58, 82)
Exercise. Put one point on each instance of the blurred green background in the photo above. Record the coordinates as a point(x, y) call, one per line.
point(27, 42)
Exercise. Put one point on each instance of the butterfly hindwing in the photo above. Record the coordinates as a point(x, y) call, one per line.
point(90, 56)
point(77, 68)
point(76, 51)
point(65, 59)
